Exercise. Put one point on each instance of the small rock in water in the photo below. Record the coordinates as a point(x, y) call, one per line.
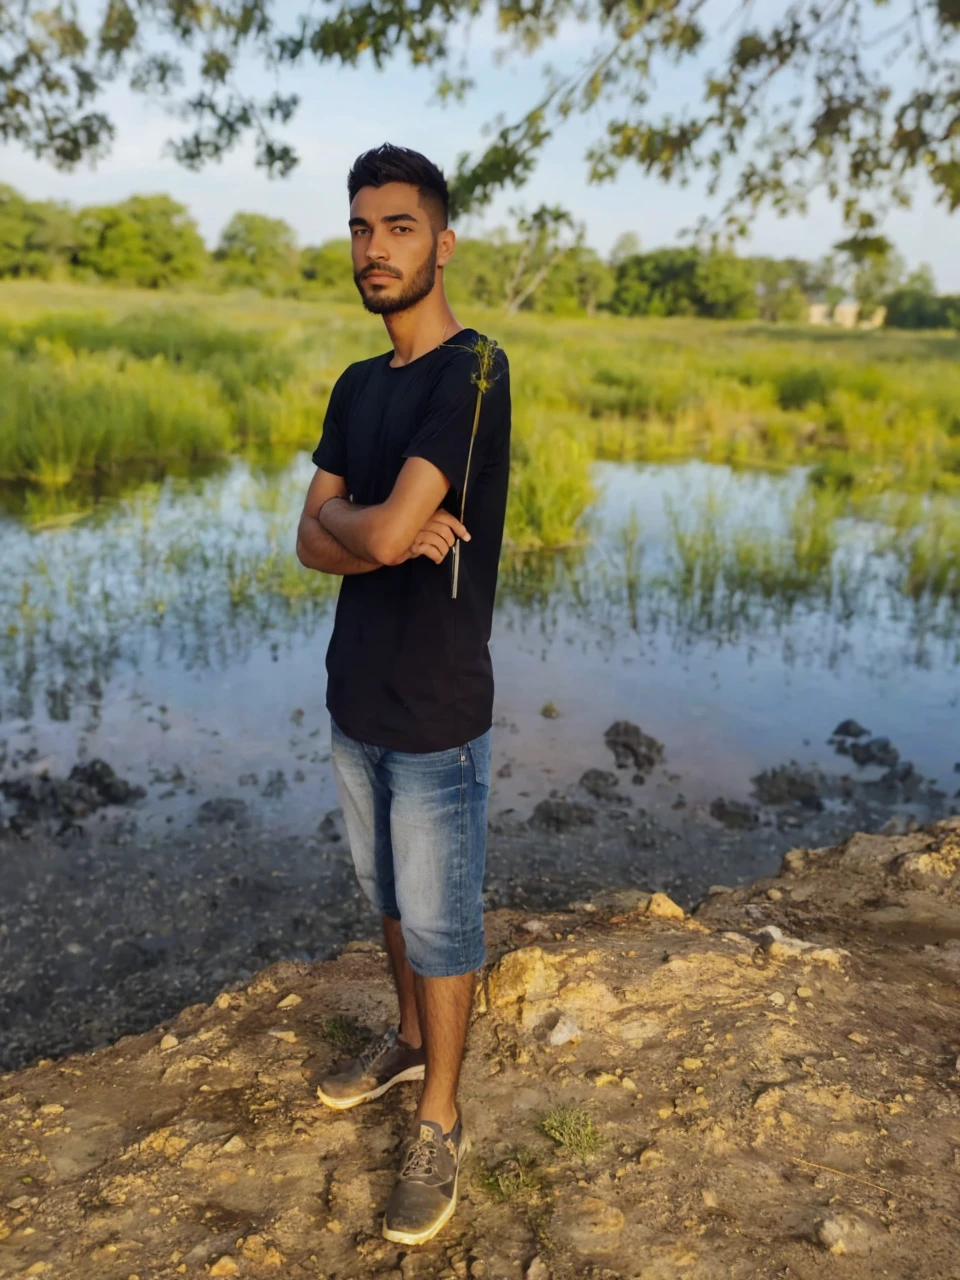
point(850, 729)
point(601, 783)
point(875, 751)
point(734, 814)
point(549, 711)
point(631, 746)
point(221, 810)
point(276, 785)
point(789, 784)
point(562, 815)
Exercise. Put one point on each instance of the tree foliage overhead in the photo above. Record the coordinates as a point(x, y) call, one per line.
point(852, 97)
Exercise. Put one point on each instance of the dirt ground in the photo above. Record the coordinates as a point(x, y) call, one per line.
point(767, 1088)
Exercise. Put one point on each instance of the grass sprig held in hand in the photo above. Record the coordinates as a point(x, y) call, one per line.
point(485, 349)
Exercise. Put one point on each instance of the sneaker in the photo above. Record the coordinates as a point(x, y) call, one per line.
point(425, 1194)
point(386, 1062)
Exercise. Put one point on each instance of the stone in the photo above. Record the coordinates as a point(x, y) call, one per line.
point(665, 908)
point(279, 1033)
point(222, 810)
point(734, 814)
point(526, 973)
point(169, 1041)
point(879, 751)
point(789, 784)
point(845, 1233)
point(537, 1270)
point(564, 1031)
point(632, 747)
point(850, 729)
point(290, 1002)
point(562, 815)
point(602, 784)
point(225, 1266)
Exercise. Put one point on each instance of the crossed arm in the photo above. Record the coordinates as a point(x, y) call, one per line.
point(339, 537)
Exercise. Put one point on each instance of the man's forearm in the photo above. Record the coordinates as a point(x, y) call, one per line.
point(319, 549)
point(359, 529)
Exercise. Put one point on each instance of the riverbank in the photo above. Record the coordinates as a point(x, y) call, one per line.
point(764, 1088)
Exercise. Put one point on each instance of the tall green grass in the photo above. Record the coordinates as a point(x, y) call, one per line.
point(100, 385)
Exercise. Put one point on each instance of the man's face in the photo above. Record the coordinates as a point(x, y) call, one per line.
point(396, 250)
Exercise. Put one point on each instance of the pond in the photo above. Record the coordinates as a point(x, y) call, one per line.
point(736, 617)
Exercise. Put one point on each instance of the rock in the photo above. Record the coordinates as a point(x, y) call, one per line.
point(91, 786)
point(549, 711)
point(290, 1001)
point(225, 1266)
point(562, 815)
point(789, 784)
point(602, 784)
point(845, 1233)
point(734, 814)
point(169, 1041)
point(275, 786)
point(222, 810)
point(526, 973)
point(537, 1270)
point(879, 751)
point(564, 1031)
point(664, 907)
point(631, 746)
point(850, 729)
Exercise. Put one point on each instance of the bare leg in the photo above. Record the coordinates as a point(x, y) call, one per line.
point(403, 980)
point(444, 1007)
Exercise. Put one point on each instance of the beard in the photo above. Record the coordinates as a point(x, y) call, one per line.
point(422, 282)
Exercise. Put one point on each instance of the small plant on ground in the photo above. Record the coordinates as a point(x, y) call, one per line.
point(511, 1178)
point(571, 1128)
point(341, 1033)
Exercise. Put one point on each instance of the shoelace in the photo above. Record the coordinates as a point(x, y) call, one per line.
point(378, 1048)
point(420, 1159)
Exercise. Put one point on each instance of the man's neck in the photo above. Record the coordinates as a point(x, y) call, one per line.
point(420, 329)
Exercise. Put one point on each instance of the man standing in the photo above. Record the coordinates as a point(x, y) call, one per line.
point(410, 684)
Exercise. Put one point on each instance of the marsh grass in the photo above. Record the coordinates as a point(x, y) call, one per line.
point(97, 384)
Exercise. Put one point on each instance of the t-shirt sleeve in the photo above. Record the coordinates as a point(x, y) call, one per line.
point(443, 436)
point(331, 453)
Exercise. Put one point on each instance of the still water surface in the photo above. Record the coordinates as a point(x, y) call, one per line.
point(171, 634)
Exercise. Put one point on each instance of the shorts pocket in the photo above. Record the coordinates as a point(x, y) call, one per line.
point(480, 751)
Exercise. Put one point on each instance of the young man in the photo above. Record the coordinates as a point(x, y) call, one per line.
point(410, 685)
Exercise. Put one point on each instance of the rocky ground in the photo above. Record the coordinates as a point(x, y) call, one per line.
point(769, 1087)
point(106, 928)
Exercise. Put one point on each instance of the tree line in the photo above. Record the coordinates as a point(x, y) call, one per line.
point(540, 263)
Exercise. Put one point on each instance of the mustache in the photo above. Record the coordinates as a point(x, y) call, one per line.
point(379, 271)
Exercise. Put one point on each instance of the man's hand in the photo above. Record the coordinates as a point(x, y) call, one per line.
point(436, 538)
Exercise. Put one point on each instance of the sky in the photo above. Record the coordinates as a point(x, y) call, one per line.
point(344, 111)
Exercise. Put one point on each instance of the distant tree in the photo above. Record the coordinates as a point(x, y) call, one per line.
point(547, 236)
point(150, 241)
point(626, 245)
point(258, 251)
point(660, 283)
point(783, 288)
point(874, 269)
point(911, 308)
point(580, 283)
point(724, 287)
point(480, 268)
point(36, 238)
point(328, 265)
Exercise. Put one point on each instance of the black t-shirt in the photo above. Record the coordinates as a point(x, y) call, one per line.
point(408, 667)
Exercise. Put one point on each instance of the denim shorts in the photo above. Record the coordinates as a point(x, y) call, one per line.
point(417, 825)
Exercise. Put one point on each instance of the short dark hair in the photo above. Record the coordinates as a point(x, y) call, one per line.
point(388, 163)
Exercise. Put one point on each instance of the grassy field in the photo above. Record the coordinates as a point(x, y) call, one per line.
point(101, 387)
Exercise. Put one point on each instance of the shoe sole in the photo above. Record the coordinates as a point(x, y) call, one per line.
point(421, 1237)
point(344, 1104)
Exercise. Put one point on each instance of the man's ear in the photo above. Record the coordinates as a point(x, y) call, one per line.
point(446, 243)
